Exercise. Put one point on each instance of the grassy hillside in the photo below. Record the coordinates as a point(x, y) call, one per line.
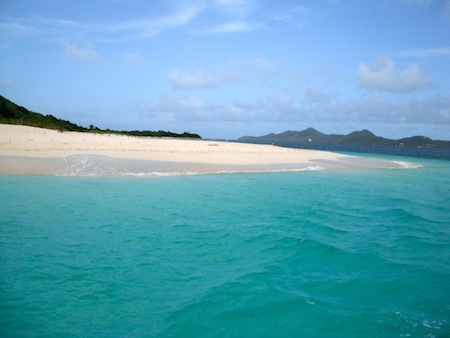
point(11, 113)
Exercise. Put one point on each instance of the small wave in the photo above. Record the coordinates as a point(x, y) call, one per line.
point(99, 165)
point(309, 168)
point(191, 173)
point(435, 324)
point(92, 165)
point(160, 174)
point(408, 165)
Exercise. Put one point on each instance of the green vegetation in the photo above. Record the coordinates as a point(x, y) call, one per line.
point(10, 113)
point(312, 138)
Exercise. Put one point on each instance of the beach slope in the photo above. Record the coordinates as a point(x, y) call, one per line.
point(35, 151)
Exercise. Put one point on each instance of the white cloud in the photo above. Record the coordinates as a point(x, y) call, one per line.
point(383, 75)
point(231, 27)
point(163, 104)
point(442, 5)
point(133, 57)
point(429, 52)
point(201, 78)
point(177, 16)
point(7, 84)
point(317, 96)
point(266, 67)
point(248, 105)
point(86, 53)
point(190, 108)
point(288, 109)
point(236, 7)
point(299, 15)
point(192, 102)
point(12, 30)
point(151, 27)
point(430, 110)
point(16, 29)
point(188, 80)
point(103, 32)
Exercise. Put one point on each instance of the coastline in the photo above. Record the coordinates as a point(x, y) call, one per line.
point(28, 150)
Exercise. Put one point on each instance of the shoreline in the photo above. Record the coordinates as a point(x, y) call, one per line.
point(35, 151)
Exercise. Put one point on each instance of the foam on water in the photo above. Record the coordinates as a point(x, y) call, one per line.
point(314, 253)
point(93, 165)
point(159, 174)
point(223, 172)
point(308, 168)
point(408, 165)
point(98, 165)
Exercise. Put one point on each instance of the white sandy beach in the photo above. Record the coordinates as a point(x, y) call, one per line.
point(36, 151)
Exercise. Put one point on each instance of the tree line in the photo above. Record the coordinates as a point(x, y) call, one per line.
point(11, 113)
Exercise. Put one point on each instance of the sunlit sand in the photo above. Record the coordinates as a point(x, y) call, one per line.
point(36, 151)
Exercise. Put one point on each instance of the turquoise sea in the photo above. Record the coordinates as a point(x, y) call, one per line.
point(356, 253)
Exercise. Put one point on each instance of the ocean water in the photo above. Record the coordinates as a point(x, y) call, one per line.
point(294, 254)
point(436, 153)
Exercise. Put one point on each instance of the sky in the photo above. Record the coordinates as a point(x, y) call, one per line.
point(229, 68)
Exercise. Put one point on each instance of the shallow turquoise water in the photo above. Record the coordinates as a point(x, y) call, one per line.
point(252, 255)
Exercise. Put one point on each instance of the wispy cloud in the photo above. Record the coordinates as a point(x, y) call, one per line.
point(58, 28)
point(230, 27)
point(132, 57)
point(200, 78)
point(7, 84)
point(384, 75)
point(266, 67)
point(75, 52)
point(13, 30)
point(239, 8)
point(317, 96)
point(195, 109)
point(428, 52)
point(182, 15)
point(441, 5)
point(151, 27)
point(190, 108)
point(290, 108)
point(299, 15)
point(16, 29)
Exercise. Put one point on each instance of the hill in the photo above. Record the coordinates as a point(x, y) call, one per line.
point(311, 138)
point(11, 113)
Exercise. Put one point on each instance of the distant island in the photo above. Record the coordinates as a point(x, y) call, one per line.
point(11, 113)
point(357, 141)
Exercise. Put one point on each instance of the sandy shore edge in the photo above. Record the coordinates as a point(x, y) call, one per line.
point(34, 151)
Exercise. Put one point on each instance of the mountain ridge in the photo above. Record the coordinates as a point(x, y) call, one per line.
point(311, 137)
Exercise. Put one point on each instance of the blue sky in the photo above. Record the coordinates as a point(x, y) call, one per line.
point(228, 68)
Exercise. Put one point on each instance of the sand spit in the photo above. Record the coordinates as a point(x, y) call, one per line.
point(34, 151)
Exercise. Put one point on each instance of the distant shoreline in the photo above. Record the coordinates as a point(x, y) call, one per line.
point(362, 141)
point(35, 151)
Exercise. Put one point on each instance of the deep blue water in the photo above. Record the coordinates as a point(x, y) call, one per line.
point(344, 254)
point(435, 153)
